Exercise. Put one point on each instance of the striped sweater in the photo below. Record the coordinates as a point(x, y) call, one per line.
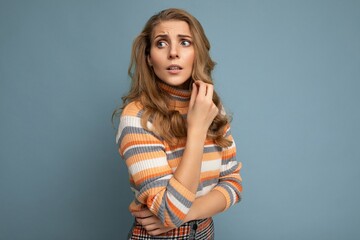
point(151, 163)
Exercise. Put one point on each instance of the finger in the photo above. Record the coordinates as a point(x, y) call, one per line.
point(148, 220)
point(142, 213)
point(210, 91)
point(215, 110)
point(202, 88)
point(193, 95)
point(159, 231)
point(155, 232)
point(152, 227)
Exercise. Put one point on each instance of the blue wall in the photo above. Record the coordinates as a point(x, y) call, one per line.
point(289, 71)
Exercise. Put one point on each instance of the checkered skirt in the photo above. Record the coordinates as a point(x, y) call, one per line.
point(202, 229)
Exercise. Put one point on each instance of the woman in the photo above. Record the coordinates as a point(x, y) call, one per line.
point(174, 135)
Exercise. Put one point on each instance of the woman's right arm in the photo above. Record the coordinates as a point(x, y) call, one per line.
point(202, 112)
point(168, 195)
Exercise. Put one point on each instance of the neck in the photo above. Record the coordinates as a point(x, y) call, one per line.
point(178, 97)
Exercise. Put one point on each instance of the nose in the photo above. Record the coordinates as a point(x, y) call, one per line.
point(173, 52)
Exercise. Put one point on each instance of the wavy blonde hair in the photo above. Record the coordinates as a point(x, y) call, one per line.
point(167, 122)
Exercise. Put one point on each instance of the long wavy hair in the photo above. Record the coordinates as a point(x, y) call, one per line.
point(167, 122)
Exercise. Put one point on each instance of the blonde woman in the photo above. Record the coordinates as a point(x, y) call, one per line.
point(174, 134)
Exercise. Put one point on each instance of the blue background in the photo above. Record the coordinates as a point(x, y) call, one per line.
point(289, 71)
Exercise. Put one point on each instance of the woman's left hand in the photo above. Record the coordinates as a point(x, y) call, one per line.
point(150, 222)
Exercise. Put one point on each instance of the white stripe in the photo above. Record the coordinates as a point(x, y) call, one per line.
point(210, 165)
point(147, 164)
point(233, 195)
point(210, 145)
point(165, 177)
point(205, 190)
point(228, 166)
point(178, 204)
point(131, 121)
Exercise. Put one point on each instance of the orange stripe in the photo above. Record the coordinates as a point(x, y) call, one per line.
point(204, 176)
point(211, 156)
point(132, 143)
point(144, 156)
point(227, 155)
point(175, 210)
point(141, 176)
point(132, 109)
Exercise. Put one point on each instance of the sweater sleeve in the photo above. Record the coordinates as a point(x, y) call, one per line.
point(230, 180)
point(150, 174)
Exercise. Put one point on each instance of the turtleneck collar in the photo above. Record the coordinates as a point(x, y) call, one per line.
point(179, 98)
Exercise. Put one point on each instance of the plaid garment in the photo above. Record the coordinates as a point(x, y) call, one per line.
point(194, 230)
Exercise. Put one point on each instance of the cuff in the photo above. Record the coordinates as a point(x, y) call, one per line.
point(183, 191)
point(226, 195)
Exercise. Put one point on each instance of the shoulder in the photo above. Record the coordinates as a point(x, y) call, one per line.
point(133, 109)
point(130, 119)
point(131, 122)
point(131, 115)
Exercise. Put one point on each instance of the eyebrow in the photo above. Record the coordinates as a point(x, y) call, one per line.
point(166, 36)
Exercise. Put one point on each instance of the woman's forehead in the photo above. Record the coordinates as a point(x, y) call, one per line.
point(171, 27)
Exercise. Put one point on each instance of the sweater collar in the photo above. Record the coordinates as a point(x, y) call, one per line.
point(179, 98)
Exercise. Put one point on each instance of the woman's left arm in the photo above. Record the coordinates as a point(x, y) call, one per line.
point(225, 194)
point(230, 182)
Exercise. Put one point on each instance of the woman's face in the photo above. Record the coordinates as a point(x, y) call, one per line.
point(172, 52)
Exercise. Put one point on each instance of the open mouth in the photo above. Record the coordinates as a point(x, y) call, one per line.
point(174, 68)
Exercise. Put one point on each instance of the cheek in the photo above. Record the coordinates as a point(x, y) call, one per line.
point(155, 58)
point(190, 57)
point(154, 61)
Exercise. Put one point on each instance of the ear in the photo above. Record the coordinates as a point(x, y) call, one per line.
point(149, 60)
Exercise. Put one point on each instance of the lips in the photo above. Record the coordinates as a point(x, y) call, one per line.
point(174, 69)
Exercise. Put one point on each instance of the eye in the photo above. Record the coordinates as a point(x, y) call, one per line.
point(185, 43)
point(161, 44)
